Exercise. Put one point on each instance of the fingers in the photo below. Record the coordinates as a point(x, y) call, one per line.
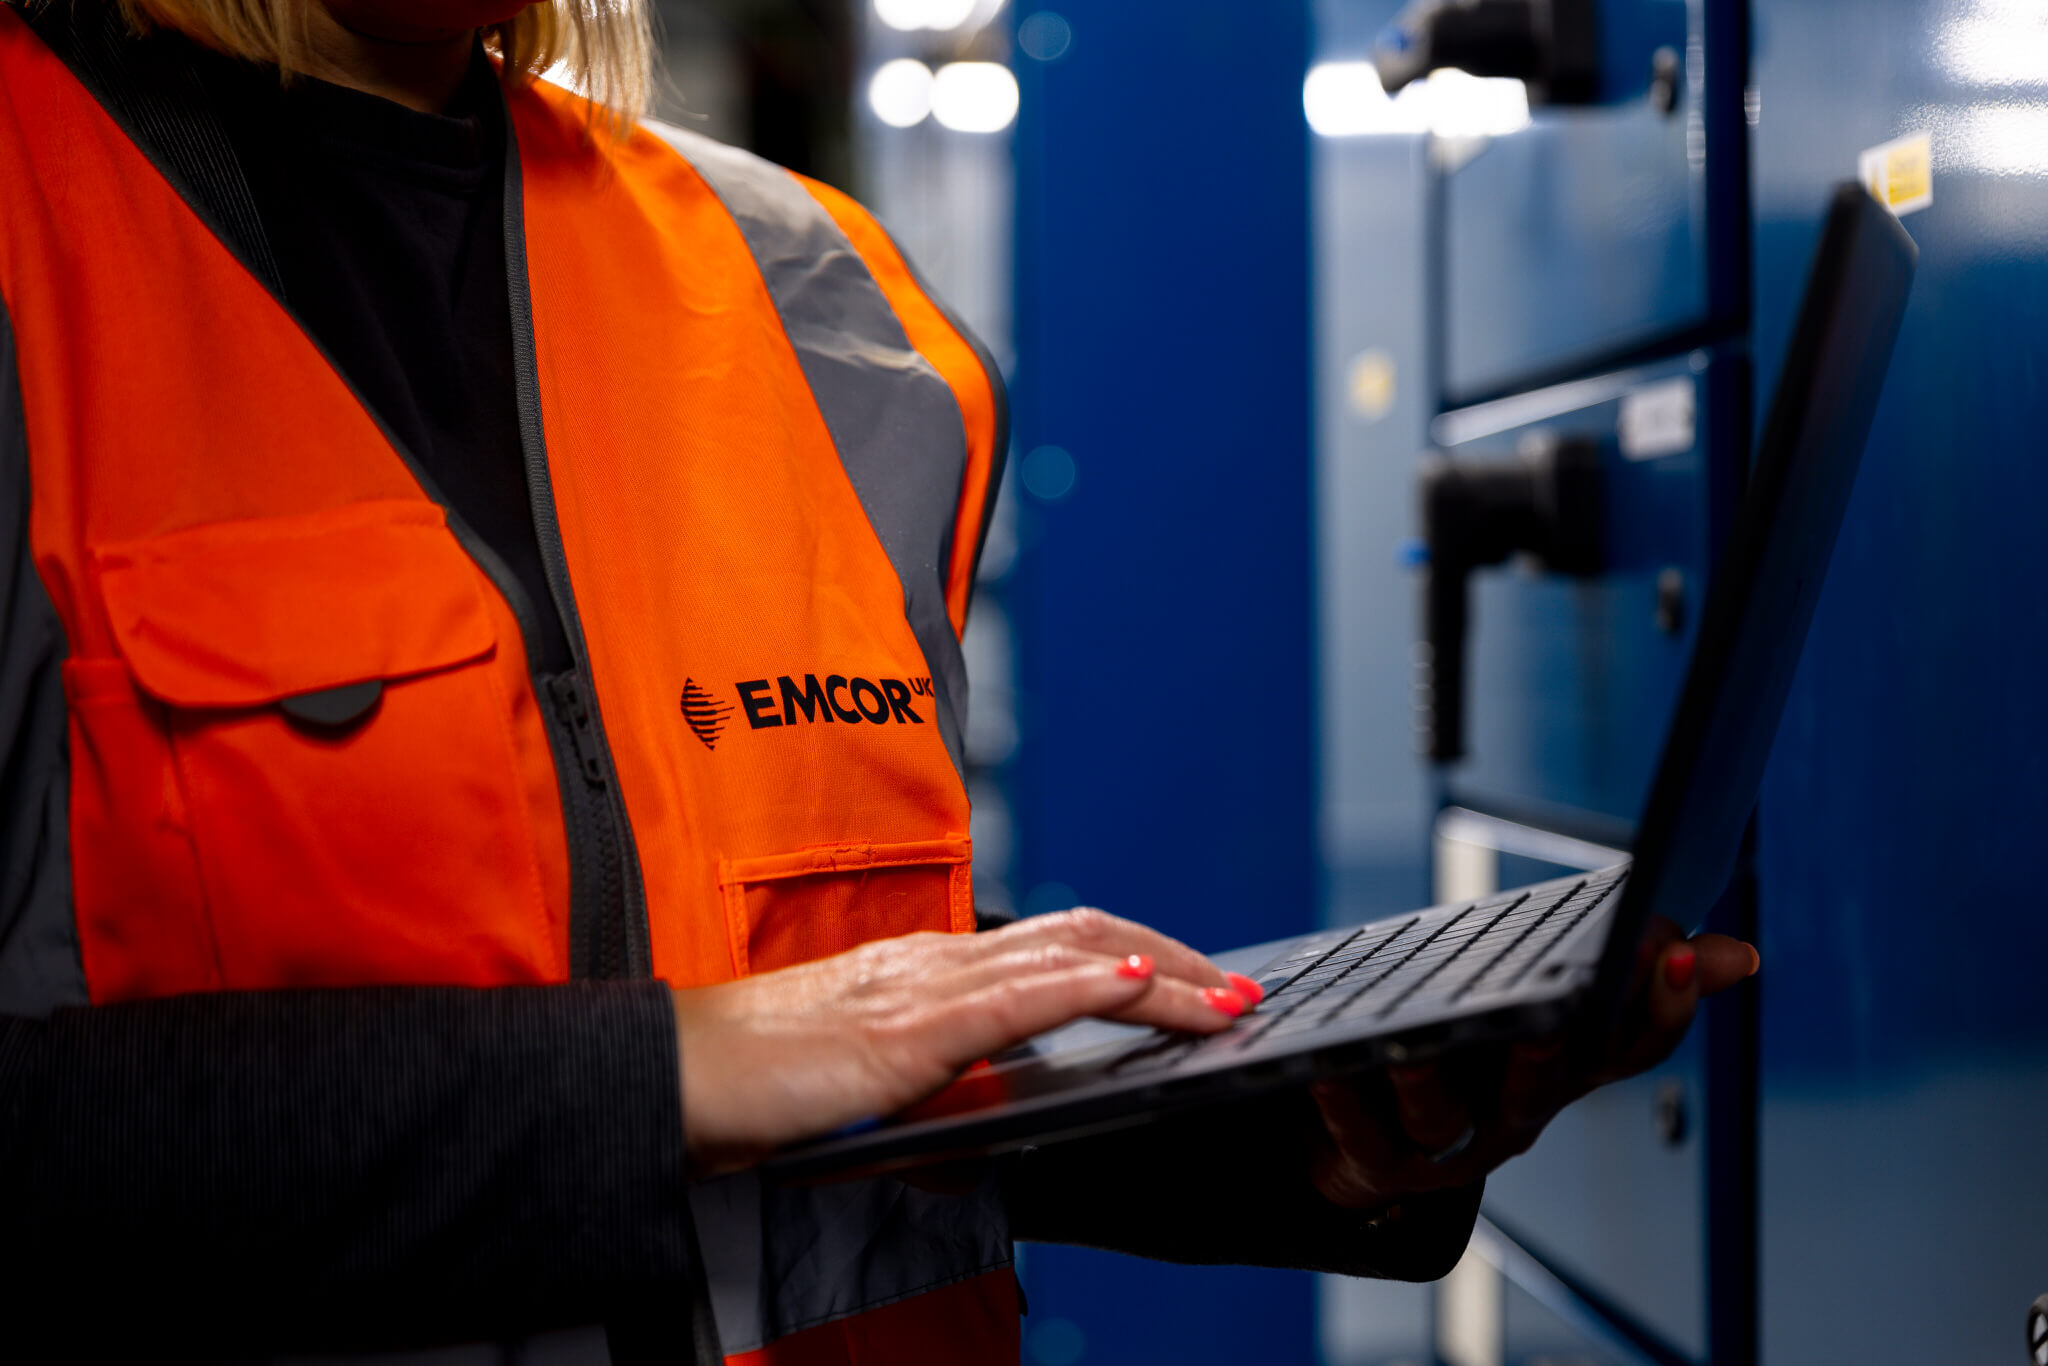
point(1423, 1134)
point(1184, 1008)
point(1357, 1155)
point(1432, 1115)
point(1384, 1137)
point(1670, 997)
point(985, 1019)
point(1534, 1086)
point(1674, 990)
point(1723, 962)
point(1100, 932)
point(1658, 935)
point(1170, 1004)
point(1673, 974)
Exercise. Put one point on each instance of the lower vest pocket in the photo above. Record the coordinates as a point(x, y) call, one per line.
point(320, 698)
point(785, 909)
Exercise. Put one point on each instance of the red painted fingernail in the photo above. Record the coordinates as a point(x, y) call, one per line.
point(1678, 966)
point(1756, 960)
point(1138, 965)
point(1244, 986)
point(1227, 1001)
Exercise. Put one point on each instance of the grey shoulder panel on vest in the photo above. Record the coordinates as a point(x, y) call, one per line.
point(40, 968)
point(896, 423)
point(999, 391)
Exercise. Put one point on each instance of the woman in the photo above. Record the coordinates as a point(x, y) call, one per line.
point(482, 701)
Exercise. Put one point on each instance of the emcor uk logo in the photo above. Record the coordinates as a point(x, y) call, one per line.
point(836, 700)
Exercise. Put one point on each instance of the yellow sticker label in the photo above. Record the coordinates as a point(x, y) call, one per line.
point(1371, 384)
point(1900, 173)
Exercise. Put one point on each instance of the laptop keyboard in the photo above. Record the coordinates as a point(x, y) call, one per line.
point(1423, 961)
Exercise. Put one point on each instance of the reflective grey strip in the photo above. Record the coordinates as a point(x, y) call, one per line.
point(785, 1258)
point(39, 963)
point(897, 425)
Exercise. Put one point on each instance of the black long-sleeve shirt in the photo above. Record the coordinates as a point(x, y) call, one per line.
point(322, 1170)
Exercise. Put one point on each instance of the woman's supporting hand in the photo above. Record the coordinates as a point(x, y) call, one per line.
point(789, 1055)
point(1434, 1126)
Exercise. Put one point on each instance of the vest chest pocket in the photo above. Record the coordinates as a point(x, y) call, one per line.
point(792, 908)
point(321, 696)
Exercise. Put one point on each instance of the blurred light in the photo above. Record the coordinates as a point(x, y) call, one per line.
point(1045, 36)
point(1048, 474)
point(1455, 105)
point(1346, 99)
point(943, 15)
point(975, 97)
point(1997, 43)
point(901, 93)
point(1998, 139)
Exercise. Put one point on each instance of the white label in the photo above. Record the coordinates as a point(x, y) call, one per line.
point(1900, 174)
point(1659, 419)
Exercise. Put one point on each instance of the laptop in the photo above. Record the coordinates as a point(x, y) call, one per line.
point(1534, 961)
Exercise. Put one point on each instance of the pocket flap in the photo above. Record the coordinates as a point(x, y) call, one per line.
point(784, 909)
point(240, 614)
point(845, 858)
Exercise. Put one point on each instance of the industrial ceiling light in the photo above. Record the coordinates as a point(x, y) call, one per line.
point(940, 15)
point(900, 92)
point(1346, 99)
point(1343, 99)
point(975, 97)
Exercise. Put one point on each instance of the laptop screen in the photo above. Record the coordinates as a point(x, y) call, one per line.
point(1762, 597)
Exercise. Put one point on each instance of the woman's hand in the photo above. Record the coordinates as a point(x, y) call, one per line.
point(789, 1055)
point(1435, 1126)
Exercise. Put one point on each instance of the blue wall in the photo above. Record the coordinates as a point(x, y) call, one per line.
point(1163, 600)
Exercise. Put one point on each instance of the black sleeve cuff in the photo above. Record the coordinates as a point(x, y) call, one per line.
point(344, 1169)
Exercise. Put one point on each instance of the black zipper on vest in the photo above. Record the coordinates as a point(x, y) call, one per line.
point(598, 924)
point(608, 934)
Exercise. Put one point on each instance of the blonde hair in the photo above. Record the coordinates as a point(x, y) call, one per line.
point(605, 47)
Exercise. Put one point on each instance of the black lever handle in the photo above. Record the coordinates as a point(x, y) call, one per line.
point(1543, 502)
point(1552, 45)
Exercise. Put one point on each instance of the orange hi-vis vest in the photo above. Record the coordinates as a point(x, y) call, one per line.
point(306, 746)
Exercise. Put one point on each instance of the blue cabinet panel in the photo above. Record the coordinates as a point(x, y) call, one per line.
point(1595, 233)
point(1618, 1204)
point(1584, 234)
point(1571, 681)
point(1905, 1044)
point(1581, 236)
